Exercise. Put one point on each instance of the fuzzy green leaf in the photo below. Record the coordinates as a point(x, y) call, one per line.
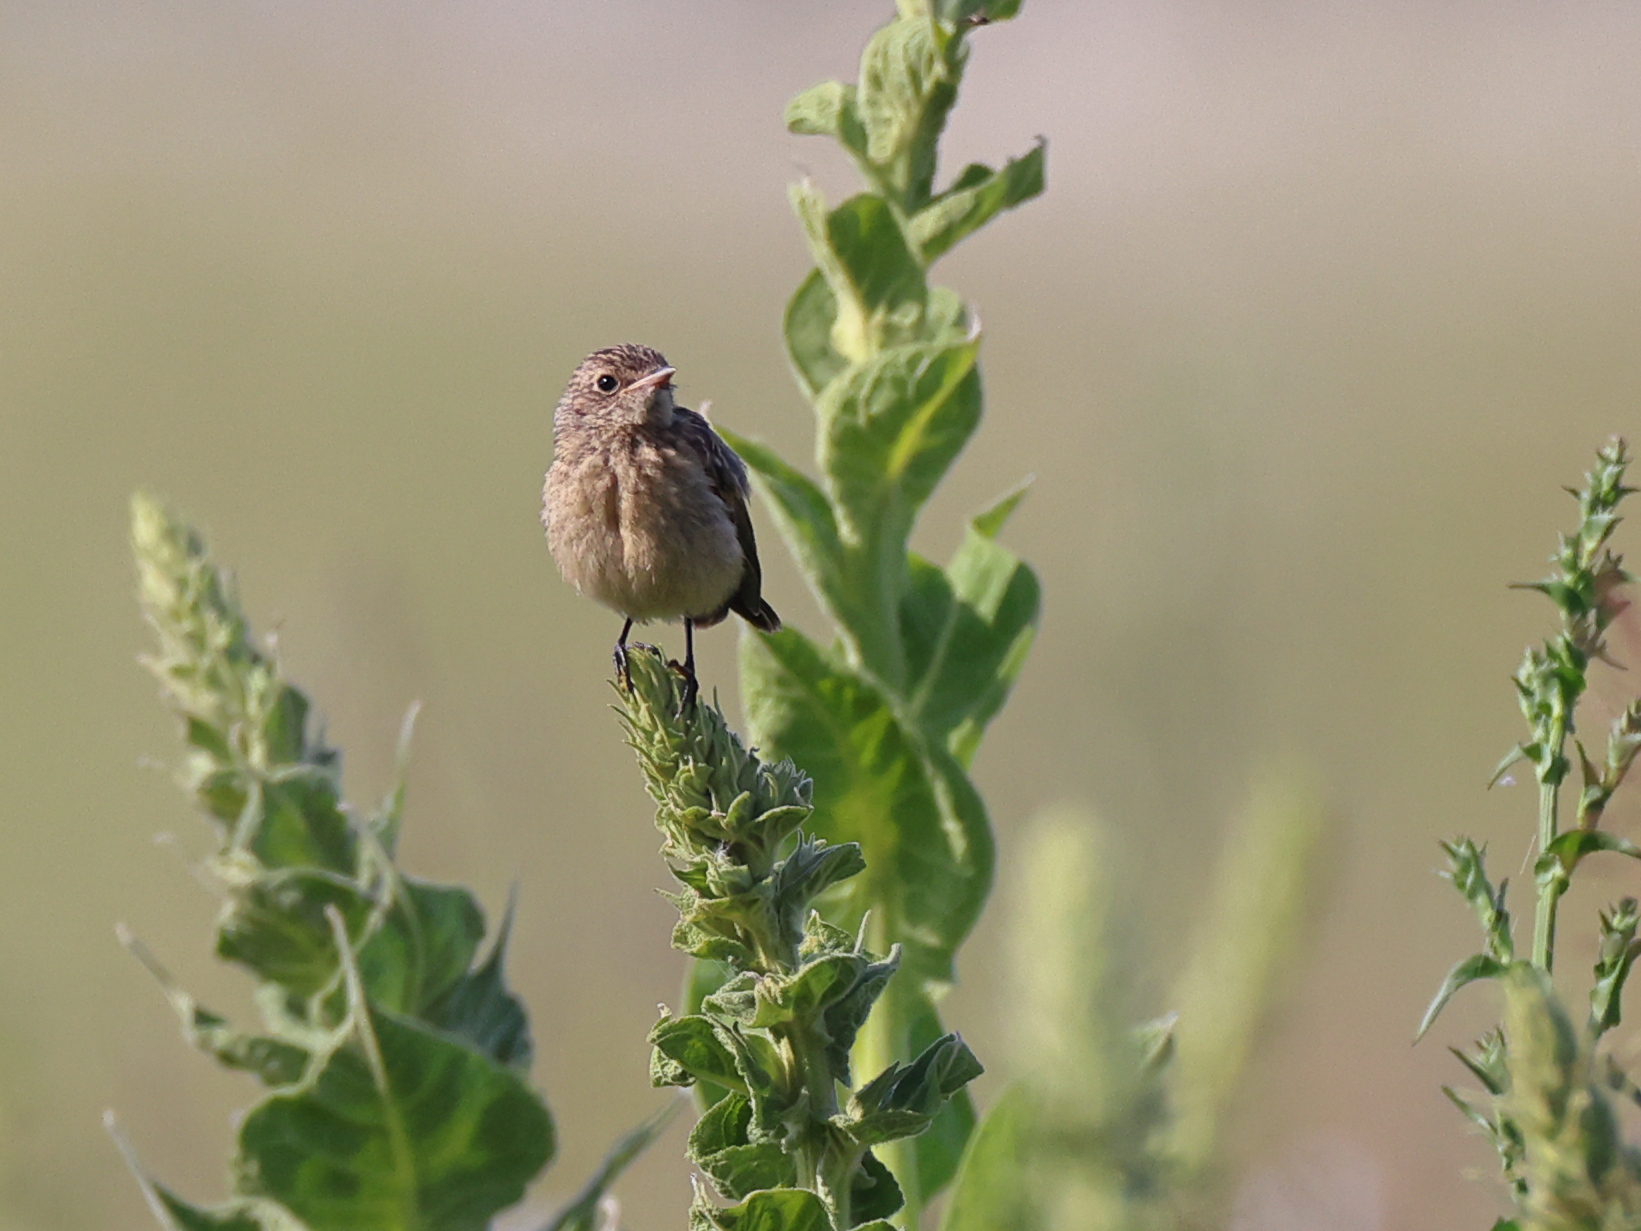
point(904, 1099)
point(478, 1007)
point(1488, 1064)
point(845, 1016)
point(967, 631)
point(770, 1210)
point(908, 83)
point(1564, 854)
point(876, 281)
point(1615, 955)
point(917, 819)
point(818, 111)
point(890, 428)
point(939, 1148)
point(979, 195)
point(810, 316)
point(813, 867)
point(434, 1136)
point(721, 1147)
point(696, 1047)
point(275, 927)
point(806, 523)
point(294, 819)
point(1476, 966)
point(273, 1061)
point(423, 946)
point(873, 1192)
point(1467, 870)
point(776, 1209)
point(817, 985)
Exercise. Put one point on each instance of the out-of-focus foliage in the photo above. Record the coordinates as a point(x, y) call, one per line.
point(1115, 1121)
point(393, 1054)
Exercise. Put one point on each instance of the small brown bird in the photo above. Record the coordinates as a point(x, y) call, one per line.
point(645, 507)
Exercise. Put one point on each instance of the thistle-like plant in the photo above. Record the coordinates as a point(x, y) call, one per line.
point(888, 716)
point(392, 1055)
point(775, 1035)
point(1551, 1116)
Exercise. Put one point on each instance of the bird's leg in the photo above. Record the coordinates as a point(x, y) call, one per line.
point(692, 686)
point(619, 657)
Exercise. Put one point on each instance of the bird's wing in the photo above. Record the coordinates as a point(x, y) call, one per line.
point(726, 471)
point(727, 475)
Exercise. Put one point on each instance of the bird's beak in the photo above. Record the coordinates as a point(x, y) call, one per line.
point(658, 379)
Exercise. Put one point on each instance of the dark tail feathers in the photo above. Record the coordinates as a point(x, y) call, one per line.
point(756, 612)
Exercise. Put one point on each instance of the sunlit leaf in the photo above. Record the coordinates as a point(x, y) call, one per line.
point(967, 630)
point(875, 278)
point(778, 1209)
point(438, 1136)
point(918, 820)
point(810, 316)
point(889, 431)
point(720, 1145)
point(978, 196)
point(908, 83)
point(698, 1048)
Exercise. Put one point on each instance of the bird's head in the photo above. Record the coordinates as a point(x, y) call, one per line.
point(619, 385)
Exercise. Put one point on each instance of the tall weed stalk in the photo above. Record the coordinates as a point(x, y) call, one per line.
point(1550, 1091)
point(895, 848)
point(392, 1056)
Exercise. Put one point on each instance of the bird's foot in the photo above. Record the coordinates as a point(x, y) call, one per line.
point(692, 686)
point(619, 657)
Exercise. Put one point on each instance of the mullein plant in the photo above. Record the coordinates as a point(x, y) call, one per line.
point(392, 1056)
point(887, 714)
point(1551, 1091)
point(772, 1041)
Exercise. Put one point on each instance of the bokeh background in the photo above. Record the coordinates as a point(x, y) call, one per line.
point(1323, 304)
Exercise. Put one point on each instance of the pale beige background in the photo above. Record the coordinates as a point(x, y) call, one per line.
point(1324, 302)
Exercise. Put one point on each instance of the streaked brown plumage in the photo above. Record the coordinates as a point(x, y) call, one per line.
point(644, 505)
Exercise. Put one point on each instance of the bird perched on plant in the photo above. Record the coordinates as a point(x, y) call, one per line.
point(645, 507)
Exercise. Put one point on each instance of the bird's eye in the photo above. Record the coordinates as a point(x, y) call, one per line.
point(607, 383)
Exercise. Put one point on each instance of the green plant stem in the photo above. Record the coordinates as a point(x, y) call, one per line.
point(1549, 890)
point(885, 1038)
point(822, 1167)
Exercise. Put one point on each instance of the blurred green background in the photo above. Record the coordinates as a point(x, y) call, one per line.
point(1323, 304)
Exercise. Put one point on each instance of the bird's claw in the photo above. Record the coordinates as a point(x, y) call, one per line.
point(692, 686)
point(619, 657)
